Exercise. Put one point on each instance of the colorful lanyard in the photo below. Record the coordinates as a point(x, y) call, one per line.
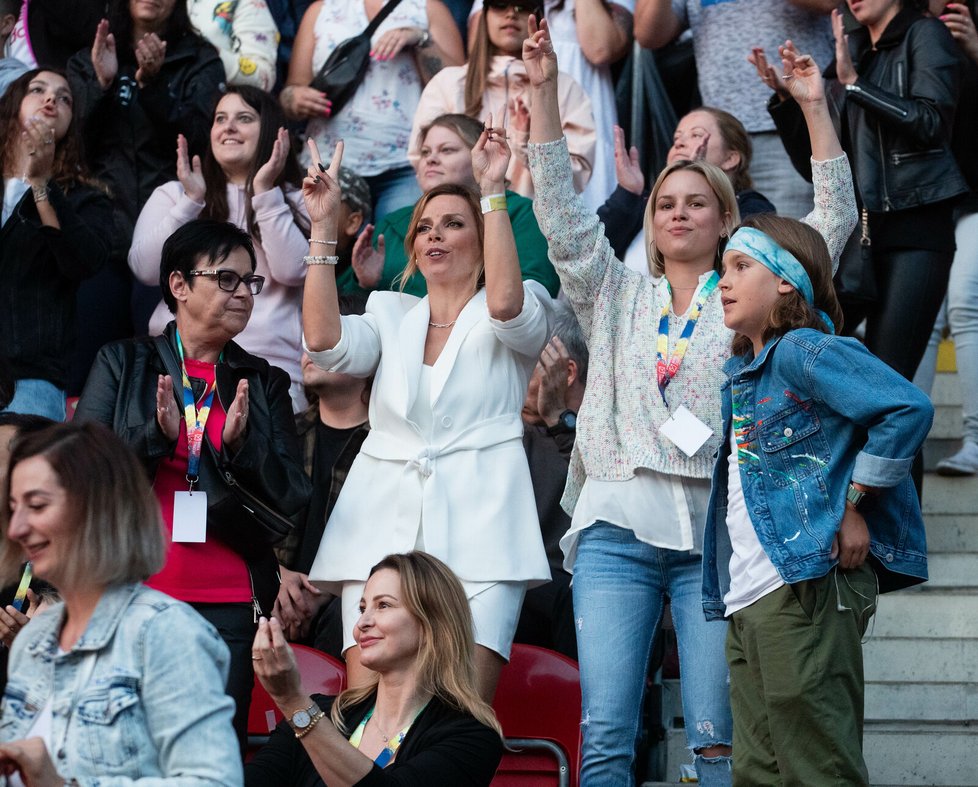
point(194, 415)
point(666, 371)
point(387, 754)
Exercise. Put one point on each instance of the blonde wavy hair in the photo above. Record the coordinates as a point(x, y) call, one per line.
point(432, 594)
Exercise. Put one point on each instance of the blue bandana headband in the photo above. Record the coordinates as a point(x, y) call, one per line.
point(781, 262)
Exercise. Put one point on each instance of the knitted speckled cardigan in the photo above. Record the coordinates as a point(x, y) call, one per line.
point(618, 425)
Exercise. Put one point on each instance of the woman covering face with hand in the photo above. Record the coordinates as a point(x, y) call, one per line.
point(52, 238)
point(250, 177)
point(450, 371)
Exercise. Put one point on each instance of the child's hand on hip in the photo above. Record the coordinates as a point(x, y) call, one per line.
point(851, 543)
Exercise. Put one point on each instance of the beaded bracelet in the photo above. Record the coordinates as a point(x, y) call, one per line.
point(323, 242)
point(320, 259)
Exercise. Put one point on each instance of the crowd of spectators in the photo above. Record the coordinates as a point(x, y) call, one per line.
point(321, 348)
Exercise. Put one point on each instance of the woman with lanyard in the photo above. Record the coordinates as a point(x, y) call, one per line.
point(639, 483)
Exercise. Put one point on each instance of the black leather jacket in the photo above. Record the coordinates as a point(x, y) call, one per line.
point(896, 118)
point(121, 393)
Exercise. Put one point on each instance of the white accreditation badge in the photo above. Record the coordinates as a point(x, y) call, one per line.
point(687, 431)
point(190, 517)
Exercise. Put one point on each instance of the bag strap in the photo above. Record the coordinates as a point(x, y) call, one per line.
point(378, 20)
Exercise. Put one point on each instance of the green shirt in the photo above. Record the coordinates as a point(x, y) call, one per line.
point(531, 248)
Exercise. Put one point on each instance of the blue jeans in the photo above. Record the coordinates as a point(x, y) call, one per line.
point(620, 587)
point(392, 190)
point(38, 397)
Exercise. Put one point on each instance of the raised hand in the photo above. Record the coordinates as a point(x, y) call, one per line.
point(552, 393)
point(490, 159)
point(538, 54)
point(320, 187)
point(368, 262)
point(845, 71)
point(274, 664)
point(189, 172)
point(237, 418)
point(767, 73)
point(801, 75)
point(269, 172)
point(627, 169)
point(105, 62)
point(519, 114)
point(959, 23)
point(167, 412)
point(150, 53)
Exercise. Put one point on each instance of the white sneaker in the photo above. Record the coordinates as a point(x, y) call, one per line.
point(964, 462)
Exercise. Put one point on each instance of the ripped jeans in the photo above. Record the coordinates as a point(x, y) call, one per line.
point(620, 586)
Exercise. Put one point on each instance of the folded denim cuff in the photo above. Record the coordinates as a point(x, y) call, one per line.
point(878, 471)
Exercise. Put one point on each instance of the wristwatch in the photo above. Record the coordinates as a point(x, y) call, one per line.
point(305, 719)
point(857, 498)
point(566, 424)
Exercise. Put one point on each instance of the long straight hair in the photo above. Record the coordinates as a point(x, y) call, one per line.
point(433, 595)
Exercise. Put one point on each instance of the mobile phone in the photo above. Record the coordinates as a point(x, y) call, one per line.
point(20, 598)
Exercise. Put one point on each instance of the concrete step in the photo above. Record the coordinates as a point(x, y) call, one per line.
point(946, 391)
point(915, 702)
point(898, 659)
point(947, 423)
point(952, 570)
point(929, 614)
point(896, 754)
point(950, 495)
point(951, 532)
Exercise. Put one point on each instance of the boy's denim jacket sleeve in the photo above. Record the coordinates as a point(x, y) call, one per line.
point(138, 700)
point(813, 412)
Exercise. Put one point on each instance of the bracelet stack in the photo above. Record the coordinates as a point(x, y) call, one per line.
point(492, 202)
point(40, 193)
point(320, 259)
point(323, 242)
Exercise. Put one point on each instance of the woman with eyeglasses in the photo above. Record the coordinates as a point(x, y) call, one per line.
point(213, 427)
point(494, 82)
point(250, 177)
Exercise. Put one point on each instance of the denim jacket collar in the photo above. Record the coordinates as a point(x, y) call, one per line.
point(100, 630)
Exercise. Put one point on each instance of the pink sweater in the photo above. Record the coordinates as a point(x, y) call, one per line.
point(274, 331)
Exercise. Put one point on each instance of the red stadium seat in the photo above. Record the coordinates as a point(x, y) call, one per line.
point(538, 704)
point(321, 674)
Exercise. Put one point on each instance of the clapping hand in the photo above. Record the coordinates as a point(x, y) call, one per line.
point(237, 419)
point(538, 53)
point(801, 75)
point(845, 71)
point(552, 393)
point(167, 413)
point(150, 53)
point(627, 169)
point(490, 158)
point(38, 138)
point(105, 62)
point(269, 172)
point(959, 23)
point(368, 262)
point(189, 172)
point(519, 114)
point(767, 73)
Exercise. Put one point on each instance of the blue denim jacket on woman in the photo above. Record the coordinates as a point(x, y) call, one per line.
point(818, 411)
point(139, 698)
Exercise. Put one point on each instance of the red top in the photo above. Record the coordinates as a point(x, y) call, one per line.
point(210, 572)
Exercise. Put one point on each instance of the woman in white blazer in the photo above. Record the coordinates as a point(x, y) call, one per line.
point(443, 468)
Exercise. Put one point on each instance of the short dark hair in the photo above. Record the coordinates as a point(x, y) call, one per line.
point(212, 240)
point(118, 533)
point(24, 423)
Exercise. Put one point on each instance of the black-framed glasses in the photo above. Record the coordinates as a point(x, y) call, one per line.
point(518, 8)
point(229, 280)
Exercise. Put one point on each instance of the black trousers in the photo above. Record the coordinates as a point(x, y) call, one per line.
point(236, 625)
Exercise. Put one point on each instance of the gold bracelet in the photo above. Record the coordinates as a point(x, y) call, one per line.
point(300, 734)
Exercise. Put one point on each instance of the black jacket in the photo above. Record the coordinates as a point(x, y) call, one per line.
point(443, 748)
point(131, 132)
point(896, 120)
point(121, 393)
point(40, 269)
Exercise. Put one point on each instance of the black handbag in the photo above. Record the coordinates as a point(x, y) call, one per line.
point(343, 71)
point(855, 280)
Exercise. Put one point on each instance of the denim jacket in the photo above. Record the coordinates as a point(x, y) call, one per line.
point(816, 411)
point(138, 700)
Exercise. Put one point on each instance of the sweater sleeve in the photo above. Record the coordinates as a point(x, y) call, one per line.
point(835, 214)
point(281, 238)
point(79, 248)
point(579, 249)
point(167, 209)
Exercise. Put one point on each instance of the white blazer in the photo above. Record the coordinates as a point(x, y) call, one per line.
point(468, 487)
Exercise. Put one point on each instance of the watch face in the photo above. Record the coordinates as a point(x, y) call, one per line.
point(569, 420)
point(301, 719)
